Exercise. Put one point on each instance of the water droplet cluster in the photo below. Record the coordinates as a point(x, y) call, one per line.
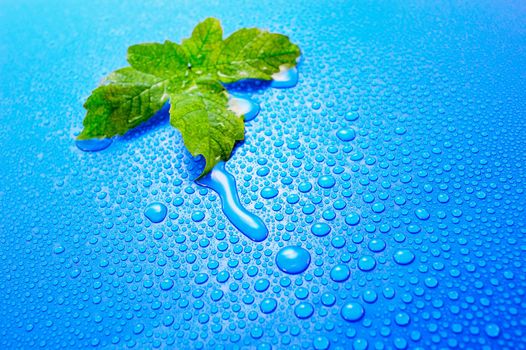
point(390, 181)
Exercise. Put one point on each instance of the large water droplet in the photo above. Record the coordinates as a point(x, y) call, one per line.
point(268, 305)
point(492, 330)
point(320, 229)
point(340, 273)
point(293, 260)
point(244, 106)
point(93, 145)
point(155, 212)
point(304, 310)
point(403, 257)
point(346, 134)
point(167, 284)
point(366, 263)
point(352, 312)
point(224, 184)
point(326, 181)
point(269, 192)
point(285, 78)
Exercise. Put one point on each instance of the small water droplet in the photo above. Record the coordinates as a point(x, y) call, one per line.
point(59, 249)
point(402, 319)
point(321, 343)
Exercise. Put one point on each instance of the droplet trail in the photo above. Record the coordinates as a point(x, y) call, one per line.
point(224, 184)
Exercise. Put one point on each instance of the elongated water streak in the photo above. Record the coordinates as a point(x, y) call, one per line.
point(224, 184)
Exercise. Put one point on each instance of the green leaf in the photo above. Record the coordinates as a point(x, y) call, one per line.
point(162, 60)
point(207, 127)
point(255, 54)
point(190, 76)
point(204, 45)
point(129, 98)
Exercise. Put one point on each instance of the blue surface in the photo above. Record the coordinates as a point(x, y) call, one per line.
point(425, 205)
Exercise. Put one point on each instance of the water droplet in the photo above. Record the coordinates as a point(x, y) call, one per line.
point(404, 257)
point(351, 116)
point(352, 312)
point(326, 181)
point(304, 187)
point(155, 212)
point(293, 260)
point(198, 216)
point(366, 263)
point(59, 249)
point(431, 282)
point(268, 305)
point(224, 184)
point(321, 343)
point(138, 328)
point(167, 284)
point(93, 145)
point(320, 229)
point(492, 330)
point(243, 106)
point(261, 285)
point(269, 192)
point(422, 214)
point(376, 245)
point(352, 219)
point(369, 296)
point(340, 273)
point(402, 319)
point(378, 207)
point(303, 310)
point(338, 242)
point(346, 134)
point(328, 299)
point(285, 78)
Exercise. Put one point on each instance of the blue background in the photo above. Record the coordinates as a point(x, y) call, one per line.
point(435, 92)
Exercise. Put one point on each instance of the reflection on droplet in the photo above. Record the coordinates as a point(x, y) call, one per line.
point(404, 257)
point(293, 260)
point(346, 134)
point(243, 106)
point(285, 78)
point(340, 273)
point(155, 212)
point(93, 145)
point(224, 184)
point(352, 312)
point(320, 229)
